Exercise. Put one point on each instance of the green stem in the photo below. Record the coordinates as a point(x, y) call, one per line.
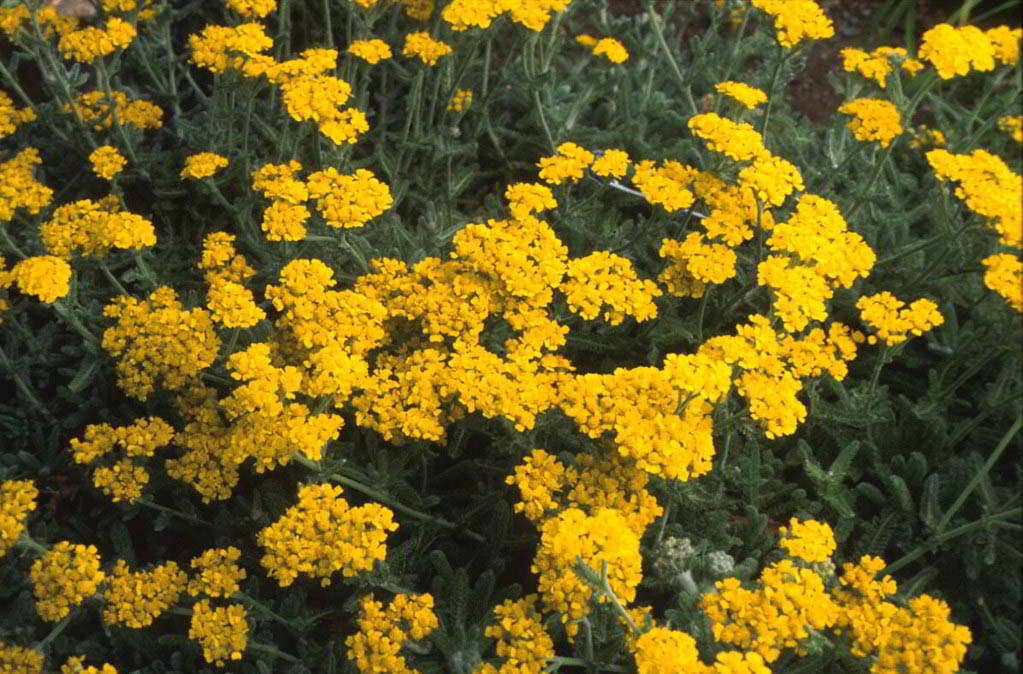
point(68, 314)
point(876, 376)
point(557, 662)
point(54, 633)
point(383, 498)
point(655, 21)
point(113, 279)
point(26, 541)
point(246, 599)
point(171, 511)
point(610, 594)
point(949, 535)
point(23, 386)
point(270, 650)
point(782, 58)
point(981, 474)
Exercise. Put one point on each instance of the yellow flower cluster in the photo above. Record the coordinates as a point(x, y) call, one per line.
point(157, 340)
point(428, 50)
point(915, 637)
point(1012, 125)
point(222, 632)
point(16, 18)
point(1006, 43)
point(569, 164)
point(107, 161)
point(322, 534)
point(546, 486)
point(94, 107)
point(522, 642)
point(525, 199)
point(988, 187)
point(18, 186)
point(45, 277)
point(956, 50)
point(12, 117)
point(797, 20)
point(779, 614)
point(747, 96)
point(63, 578)
point(216, 573)
point(18, 660)
point(462, 15)
point(203, 165)
point(611, 163)
point(230, 303)
point(307, 92)
point(665, 185)
point(90, 43)
point(1003, 273)
point(893, 320)
point(94, 228)
point(17, 500)
point(343, 201)
point(76, 665)
point(252, 8)
point(598, 540)
point(606, 282)
point(810, 541)
point(611, 49)
point(123, 479)
point(878, 64)
point(136, 598)
point(460, 101)
point(873, 119)
point(376, 647)
point(737, 140)
point(371, 51)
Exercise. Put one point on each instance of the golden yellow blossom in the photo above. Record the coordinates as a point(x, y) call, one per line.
point(203, 165)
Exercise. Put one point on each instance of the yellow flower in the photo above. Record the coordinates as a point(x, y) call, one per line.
point(1012, 125)
point(873, 119)
point(370, 51)
point(252, 8)
point(17, 500)
point(94, 107)
point(661, 650)
point(525, 199)
point(44, 276)
point(1004, 274)
point(87, 44)
point(797, 20)
point(568, 164)
point(611, 49)
point(158, 340)
point(749, 97)
point(222, 632)
point(220, 48)
point(465, 14)
point(376, 647)
point(283, 221)
point(603, 281)
point(737, 140)
point(954, 51)
point(611, 164)
point(323, 534)
point(12, 117)
point(64, 577)
point(666, 185)
point(203, 165)
point(988, 187)
point(18, 660)
point(1005, 41)
point(771, 179)
point(461, 100)
point(522, 641)
point(876, 65)
point(893, 320)
point(107, 162)
point(136, 599)
point(348, 201)
point(19, 188)
point(76, 665)
point(217, 573)
point(809, 540)
point(425, 48)
point(232, 304)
